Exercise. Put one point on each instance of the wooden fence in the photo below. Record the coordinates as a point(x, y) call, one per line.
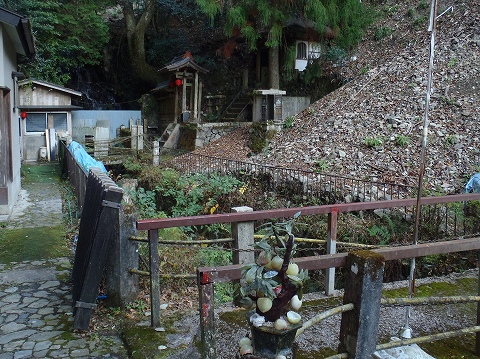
point(121, 284)
point(102, 204)
point(207, 277)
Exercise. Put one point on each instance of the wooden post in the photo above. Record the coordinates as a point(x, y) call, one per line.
point(207, 316)
point(154, 277)
point(156, 153)
point(195, 98)
point(242, 233)
point(477, 334)
point(184, 93)
point(175, 115)
point(199, 110)
point(363, 288)
point(331, 249)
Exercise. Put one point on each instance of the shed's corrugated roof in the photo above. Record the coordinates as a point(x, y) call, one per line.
point(50, 85)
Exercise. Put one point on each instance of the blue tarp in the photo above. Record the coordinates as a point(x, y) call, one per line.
point(83, 158)
point(473, 184)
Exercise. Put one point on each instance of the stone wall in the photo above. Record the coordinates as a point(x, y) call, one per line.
point(208, 132)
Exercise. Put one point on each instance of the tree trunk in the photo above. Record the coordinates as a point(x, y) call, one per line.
point(281, 302)
point(136, 40)
point(273, 68)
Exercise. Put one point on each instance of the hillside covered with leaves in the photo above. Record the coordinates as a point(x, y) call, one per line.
point(372, 126)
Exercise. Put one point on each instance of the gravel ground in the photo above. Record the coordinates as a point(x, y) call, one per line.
point(324, 335)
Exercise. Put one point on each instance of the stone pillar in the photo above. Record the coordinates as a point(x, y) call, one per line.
point(139, 137)
point(242, 233)
point(156, 153)
point(363, 288)
point(134, 139)
point(122, 286)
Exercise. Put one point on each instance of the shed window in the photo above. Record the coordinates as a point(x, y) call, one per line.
point(38, 121)
point(302, 51)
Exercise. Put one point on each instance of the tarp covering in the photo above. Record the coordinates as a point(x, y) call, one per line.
point(473, 185)
point(83, 158)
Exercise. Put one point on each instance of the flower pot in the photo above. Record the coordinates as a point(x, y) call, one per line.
point(269, 342)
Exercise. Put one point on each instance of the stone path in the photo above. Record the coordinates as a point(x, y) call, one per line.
point(36, 315)
point(35, 296)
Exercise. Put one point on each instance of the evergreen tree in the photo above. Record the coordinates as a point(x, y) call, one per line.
point(266, 19)
point(68, 34)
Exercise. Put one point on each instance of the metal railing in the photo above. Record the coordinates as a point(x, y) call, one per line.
point(327, 187)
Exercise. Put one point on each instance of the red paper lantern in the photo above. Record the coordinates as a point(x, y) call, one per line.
point(178, 82)
point(23, 115)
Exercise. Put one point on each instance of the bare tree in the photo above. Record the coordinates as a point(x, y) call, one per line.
point(138, 16)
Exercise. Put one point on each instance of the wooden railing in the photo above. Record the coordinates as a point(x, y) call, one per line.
point(207, 277)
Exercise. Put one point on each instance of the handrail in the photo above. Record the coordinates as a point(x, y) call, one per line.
point(207, 275)
point(241, 92)
point(312, 180)
point(149, 224)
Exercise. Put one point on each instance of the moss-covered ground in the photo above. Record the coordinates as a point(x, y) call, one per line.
point(23, 244)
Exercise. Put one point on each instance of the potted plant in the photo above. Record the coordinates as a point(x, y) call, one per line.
point(272, 285)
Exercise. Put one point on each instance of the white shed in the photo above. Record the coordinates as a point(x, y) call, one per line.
point(46, 115)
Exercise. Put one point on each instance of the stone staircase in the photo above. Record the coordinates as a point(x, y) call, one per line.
point(235, 110)
point(166, 134)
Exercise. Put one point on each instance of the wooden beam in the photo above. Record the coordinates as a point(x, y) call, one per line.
point(289, 212)
point(232, 272)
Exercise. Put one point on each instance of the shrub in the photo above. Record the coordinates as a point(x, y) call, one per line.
point(373, 141)
point(383, 32)
point(402, 140)
point(289, 122)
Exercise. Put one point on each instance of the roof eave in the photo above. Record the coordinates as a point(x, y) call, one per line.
point(20, 31)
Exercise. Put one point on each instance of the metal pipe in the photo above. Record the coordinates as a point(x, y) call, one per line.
point(406, 330)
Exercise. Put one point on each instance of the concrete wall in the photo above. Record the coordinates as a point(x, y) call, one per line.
point(10, 139)
point(85, 121)
point(291, 105)
point(32, 146)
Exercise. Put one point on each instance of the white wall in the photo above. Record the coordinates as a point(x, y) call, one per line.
point(8, 58)
point(85, 121)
